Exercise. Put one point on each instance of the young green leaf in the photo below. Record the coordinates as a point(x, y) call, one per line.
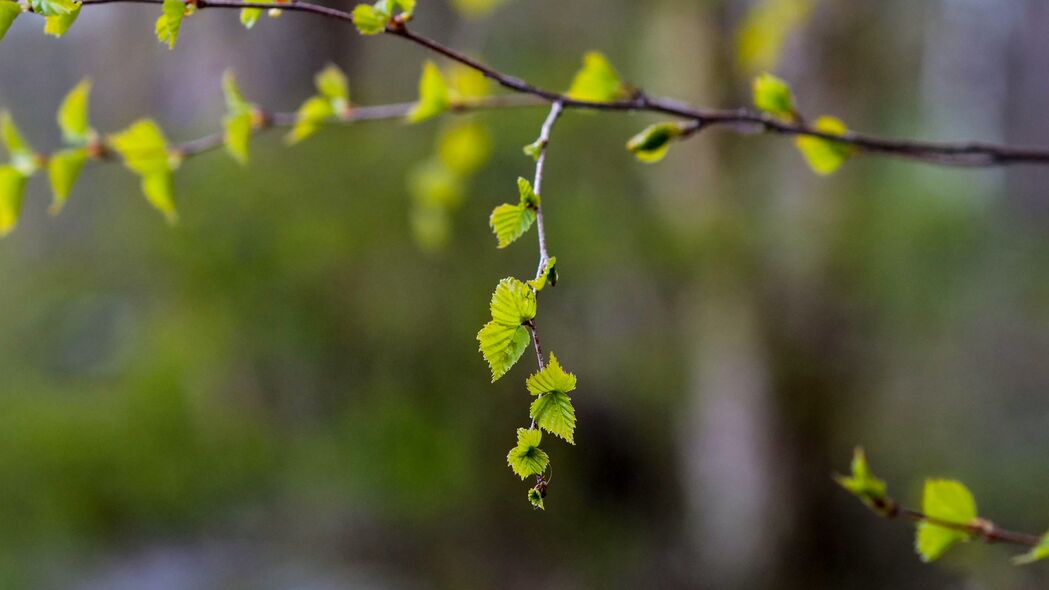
point(58, 25)
point(948, 501)
point(170, 22)
point(333, 85)
point(825, 156)
point(551, 379)
point(773, 96)
point(597, 81)
point(534, 149)
point(63, 170)
point(513, 302)
point(73, 117)
point(863, 484)
point(527, 459)
point(1035, 554)
point(510, 222)
point(548, 275)
point(369, 20)
point(652, 143)
point(145, 152)
point(535, 498)
point(502, 346)
point(433, 95)
point(552, 410)
point(464, 146)
point(310, 116)
point(528, 197)
point(239, 119)
point(22, 156)
point(12, 191)
point(250, 16)
point(9, 11)
point(53, 7)
point(407, 7)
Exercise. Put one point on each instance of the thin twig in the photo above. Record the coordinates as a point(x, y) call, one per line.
point(981, 528)
point(970, 154)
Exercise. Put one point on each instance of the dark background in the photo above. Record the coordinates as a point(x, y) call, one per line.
point(283, 391)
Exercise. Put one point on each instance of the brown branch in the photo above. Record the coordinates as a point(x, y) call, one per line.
point(973, 154)
point(981, 528)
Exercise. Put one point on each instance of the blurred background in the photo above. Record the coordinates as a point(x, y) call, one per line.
point(284, 390)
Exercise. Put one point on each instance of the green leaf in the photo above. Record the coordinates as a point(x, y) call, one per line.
point(250, 16)
point(513, 302)
point(433, 95)
point(548, 274)
point(9, 11)
point(54, 7)
point(63, 170)
point(407, 7)
point(239, 120)
point(863, 484)
point(333, 85)
point(510, 222)
point(535, 498)
point(23, 158)
point(949, 501)
point(73, 115)
point(534, 149)
point(1035, 554)
point(58, 25)
point(465, 146)
point(652, 143)
point(552, 410)
point(311, 115)
point(502, 346)
point(825, 156)
point(597, 81)
point(368, 20)
point(527, 196)
point(12, 191)
point(551, 379)
point(773, 96)
point(527, 459)
point(145, 152)
point(432, 183)
point(170, 22)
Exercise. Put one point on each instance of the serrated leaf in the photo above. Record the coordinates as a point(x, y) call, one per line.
point(310, 116)
point(551, 379)
point(513, 302)
point(9, 11)
point(464, 146)
point(825, 156)
point(53, 7)
point(332, 84)
point(773, 95)
point(502, 346)
point(1038, 553)
point(949, 501)
point(12, 192)
point(547, 275)
point(250, 16)
point(63, 169)
point(510, 222)
point(433, 95)
point(58, 25)
point(553, 412)
point(170, 22)
point(863, 484)
point(368, 20)
point(653, 142)
point(597, 81)
point(73, 114)
point(527, 196)
point(527, 459)
point(535, 498)
point(23, 158)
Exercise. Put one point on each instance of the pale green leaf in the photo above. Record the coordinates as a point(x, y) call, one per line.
point(547, 275)
point(510, 222)
point(250, 16)
point(534, 149)
point(863, 484)
point(159, 188)
point(368, 20)
point(73, 115)
point(170, 22)
point(310, 116)
point(12, 191)
point(53, 7)
point(825, 156)
point(333, 85)
point(236, 104)
point(513, 302)
point(465, 146)
point(597, 81)
point(948, 501)
point(237, 136)
point(773, 96)
point(551, 379)
point(433, 95)
point(58, 25)
point(1037, 553)
point(652, 143)
point(23, 158)
point(535, 498)
point(527, 196)
point(765, 29)
point(502, 346)
point(434, 184)
point(63, 170)
point(476, 8)
point(9, 11)
point(143, 147)
point(527, 459)
point(553, 412)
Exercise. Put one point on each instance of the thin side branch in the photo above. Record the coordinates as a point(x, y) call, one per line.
point(983, 529)
point(970, 154)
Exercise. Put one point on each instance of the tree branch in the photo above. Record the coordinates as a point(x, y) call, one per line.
point(982, 529)
point(969, 154)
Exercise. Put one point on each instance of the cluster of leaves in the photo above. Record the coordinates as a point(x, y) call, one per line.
point(948, 515)
point(58, 15)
